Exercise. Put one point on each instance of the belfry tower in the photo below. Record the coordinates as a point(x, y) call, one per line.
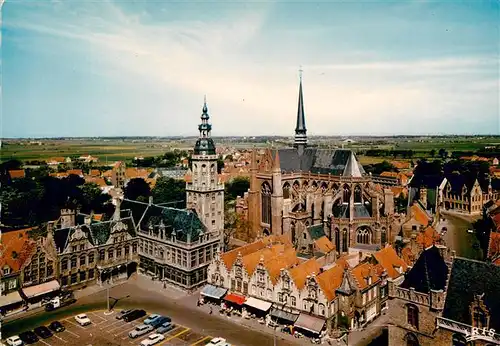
point(300, 130)
point(205, 193)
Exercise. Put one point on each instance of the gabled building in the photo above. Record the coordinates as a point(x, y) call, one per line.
point(465, 194)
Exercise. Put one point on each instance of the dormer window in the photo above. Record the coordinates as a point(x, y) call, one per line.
point(6, 270)
point(478, 318)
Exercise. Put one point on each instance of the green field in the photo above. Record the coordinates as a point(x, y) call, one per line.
point(110, 150)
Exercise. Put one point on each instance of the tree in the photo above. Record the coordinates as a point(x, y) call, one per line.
point(136, 188)
point(169, 190)
point(93, 199)
point(443, 153)
point(236, 187)
point(433, 152)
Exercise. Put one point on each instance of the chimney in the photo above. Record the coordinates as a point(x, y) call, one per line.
point(87, 220)
point(360, 256)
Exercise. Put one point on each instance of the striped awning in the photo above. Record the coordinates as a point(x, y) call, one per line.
point(258, 304)
point(213, 291)
point(38, 290)
point(310, 323)
point(10, 298)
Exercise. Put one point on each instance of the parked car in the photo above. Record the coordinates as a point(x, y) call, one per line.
point(28, 337)
point(151, 318)
point(83, 320)
point(14, 341)
point(134, 315)
point(57, 327)
point(159, 321)
point(122, 313)
point(152, 339)
point(165, 327)
point(470, 231)
point(141, 329)
point(43, 332)
point(218, 342)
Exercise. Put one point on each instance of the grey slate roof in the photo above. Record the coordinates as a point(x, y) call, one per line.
point(343, 211)
point(323, 161)
point(185, 223)
point(429, 272)
point(469, 278)
point(316, 231)
point(97, 232)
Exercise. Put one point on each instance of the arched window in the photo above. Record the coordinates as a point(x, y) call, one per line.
point(266, 203)
point(411, 340)
point(286, 191)
point(345, 240)
point(357, 194)
point(479, 318)
point(383, 236)
point(363, 236)
point(346, 195)
point(304, 235)
point(458, 340)
point(337, 239)
point(292, 228)
point(412, 316)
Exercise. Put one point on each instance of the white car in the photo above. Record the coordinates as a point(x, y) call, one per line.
point(218, 342)
point(14, 341)
point(140, 330)
point(470, 231)
point(83, 320)
point(152, 339)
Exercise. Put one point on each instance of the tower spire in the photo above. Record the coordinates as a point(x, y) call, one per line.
point(204, 144)
point(300, 129)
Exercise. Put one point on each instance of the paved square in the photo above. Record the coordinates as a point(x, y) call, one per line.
point(106, 330)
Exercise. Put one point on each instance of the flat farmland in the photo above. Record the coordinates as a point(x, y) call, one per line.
point(104, 150)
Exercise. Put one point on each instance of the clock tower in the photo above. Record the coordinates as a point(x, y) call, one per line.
point(205, 193)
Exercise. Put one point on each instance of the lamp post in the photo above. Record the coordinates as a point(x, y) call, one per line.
point(276, 323)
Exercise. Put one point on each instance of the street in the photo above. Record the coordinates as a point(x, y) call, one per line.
point(457, 238)
point(182, 312)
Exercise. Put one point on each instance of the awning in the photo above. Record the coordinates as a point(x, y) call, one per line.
point(38, 290)
point(235, 298)
point(10, 298)
point(310, 323)
point(213, 292)
point(258, 304)
point(287, 316)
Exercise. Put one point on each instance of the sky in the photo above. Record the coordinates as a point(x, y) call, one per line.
point(142, 68)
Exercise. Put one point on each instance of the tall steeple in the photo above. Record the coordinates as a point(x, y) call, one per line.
point(204, 145)
point(300, 130)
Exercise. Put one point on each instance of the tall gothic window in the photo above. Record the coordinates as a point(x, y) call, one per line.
point(357, 194)
point(412, 316)
point(286, 191)
point(347, 194)
point(363, 236)
point(337, 239)
point(266, 203)
point(293, 229)
point(345, 242)
point(383, 236)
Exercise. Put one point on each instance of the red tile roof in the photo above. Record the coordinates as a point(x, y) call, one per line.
point(390, 261)
point(16, 248)
point(17, 173)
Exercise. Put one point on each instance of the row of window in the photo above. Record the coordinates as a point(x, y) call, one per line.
point(77, 277)
point(177, 256)
point(84, 259)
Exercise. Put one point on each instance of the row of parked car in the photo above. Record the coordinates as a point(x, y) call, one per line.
point(32, 336)
point(162, 324)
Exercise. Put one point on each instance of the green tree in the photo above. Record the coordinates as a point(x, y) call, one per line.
point(136, 188)
point(433, 152)
point(92, 198)
point(169, 190)
point(443, 153)
point(236, 187)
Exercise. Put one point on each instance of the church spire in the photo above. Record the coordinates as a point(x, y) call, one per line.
point(300, 129)
point(204, 145)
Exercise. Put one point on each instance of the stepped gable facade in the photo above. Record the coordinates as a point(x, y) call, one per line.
point(294, 188)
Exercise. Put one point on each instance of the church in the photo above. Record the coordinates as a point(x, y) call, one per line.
point(307, 192)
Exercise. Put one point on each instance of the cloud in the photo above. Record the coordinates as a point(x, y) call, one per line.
point(253, 96)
